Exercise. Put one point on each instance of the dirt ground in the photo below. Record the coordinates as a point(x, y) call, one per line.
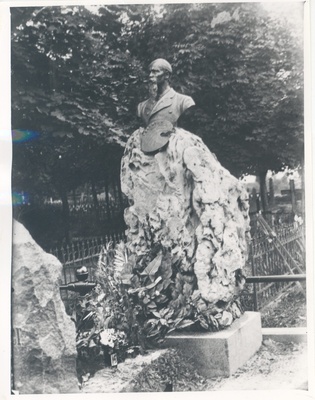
point(286, 310)
point(113, 380)
point(276, 366)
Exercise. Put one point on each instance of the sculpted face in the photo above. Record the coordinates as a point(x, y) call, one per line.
point(157, 73)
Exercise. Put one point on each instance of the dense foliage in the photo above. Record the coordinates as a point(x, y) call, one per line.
point(137, 301)
point(78, 74)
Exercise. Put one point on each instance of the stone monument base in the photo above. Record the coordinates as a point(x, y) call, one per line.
point(221, 353)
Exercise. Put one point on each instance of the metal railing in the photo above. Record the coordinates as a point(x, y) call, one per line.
point(83, 252)
point(276, 278)
point(278, 252)
point(265, 261)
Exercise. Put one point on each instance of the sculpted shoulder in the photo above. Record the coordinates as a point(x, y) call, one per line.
point(141, 107)
point(169, 107)
point(183, 101)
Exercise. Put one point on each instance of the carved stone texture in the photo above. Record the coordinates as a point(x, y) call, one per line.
point(183, 198)
point(44, 351)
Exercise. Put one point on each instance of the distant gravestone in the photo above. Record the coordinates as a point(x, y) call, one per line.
point(44, 352)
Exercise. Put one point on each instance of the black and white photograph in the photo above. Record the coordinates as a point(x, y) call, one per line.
point(159, 198)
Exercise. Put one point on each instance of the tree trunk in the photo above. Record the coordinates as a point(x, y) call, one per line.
point(272, 194)
point(107, 199)
point(115, 191)
point(94, 194)
point(293, 195)
point(272, 202)
point(120, 198)
point(74, 196)
point(66, 215)
point(253, 209)
point(95, 199)
point(303, 190)
point(264, 195)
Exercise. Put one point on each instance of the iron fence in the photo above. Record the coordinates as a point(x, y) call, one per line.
point(284, 255)
point(265, 258)
point(83, 251)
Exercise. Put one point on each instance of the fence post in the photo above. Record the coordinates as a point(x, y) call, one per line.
point(255, 299)
point(293, 197)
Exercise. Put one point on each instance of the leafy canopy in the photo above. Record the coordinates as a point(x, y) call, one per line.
point(78, 75)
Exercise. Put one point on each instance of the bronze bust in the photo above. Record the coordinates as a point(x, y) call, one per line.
point(160, 112)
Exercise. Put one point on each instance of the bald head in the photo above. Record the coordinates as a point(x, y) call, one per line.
point(161, 64)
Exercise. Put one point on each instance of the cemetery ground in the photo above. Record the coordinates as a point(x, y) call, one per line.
point(276, 366)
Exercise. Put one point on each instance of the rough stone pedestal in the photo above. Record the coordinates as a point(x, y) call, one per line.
point(221, 353)
point(184, 201)
point(44, 351)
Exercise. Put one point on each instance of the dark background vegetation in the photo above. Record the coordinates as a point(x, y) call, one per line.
point(78, 75)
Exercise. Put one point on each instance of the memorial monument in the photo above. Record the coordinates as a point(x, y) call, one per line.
point(184, 200)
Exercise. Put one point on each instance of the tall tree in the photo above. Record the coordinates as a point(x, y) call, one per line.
point(245, 72)
point(70, 72)
point(78, 75)
point(244, 69)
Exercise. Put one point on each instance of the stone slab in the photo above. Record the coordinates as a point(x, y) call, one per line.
point(221, 353)
point(285, 335)
point(43, 335)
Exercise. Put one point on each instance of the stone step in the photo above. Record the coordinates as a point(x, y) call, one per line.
point(221, 353)
point(285, 335)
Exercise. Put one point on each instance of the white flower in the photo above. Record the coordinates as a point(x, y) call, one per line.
point(108, 337)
